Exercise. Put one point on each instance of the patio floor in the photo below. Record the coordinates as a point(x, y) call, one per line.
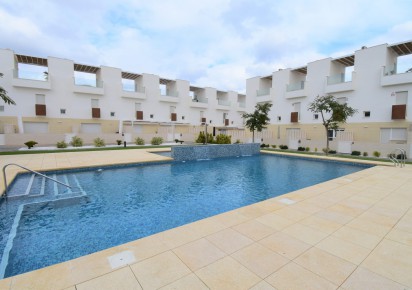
point(353, 232)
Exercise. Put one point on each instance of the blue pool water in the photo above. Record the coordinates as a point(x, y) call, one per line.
point(115, 205)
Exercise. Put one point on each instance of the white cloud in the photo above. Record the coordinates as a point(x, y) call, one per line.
point(218, 43)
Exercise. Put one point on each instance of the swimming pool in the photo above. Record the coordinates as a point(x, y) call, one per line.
point(111, 206)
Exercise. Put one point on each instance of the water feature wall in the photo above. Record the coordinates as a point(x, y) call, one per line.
point(183, 153)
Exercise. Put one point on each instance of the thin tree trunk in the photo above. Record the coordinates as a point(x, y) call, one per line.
point(327, 141)
point(253, 136)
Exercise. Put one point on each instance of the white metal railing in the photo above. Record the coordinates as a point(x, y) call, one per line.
point(223, 103)
point(169, 93)
point(30, 75)
point(200, 100)
point(263, 92)
point(394, 158)
point(88, 82)
point(295, 86)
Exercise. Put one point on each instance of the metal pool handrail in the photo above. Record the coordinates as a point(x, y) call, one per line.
point(35, 172)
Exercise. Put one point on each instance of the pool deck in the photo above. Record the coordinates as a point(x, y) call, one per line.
point(353, 232)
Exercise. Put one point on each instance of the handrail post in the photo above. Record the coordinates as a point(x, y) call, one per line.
point(25, 168)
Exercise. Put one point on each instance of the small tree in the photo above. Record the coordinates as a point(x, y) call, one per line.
point(4, 96)
point(332, 113)
point(258, 120)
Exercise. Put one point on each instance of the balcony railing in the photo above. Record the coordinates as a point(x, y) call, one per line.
point(133, 88)
point(223, 103)
point(29, 75)
point(263, 92)
point(339, 78)
point(88, 83)
point(295, 86)
point(169, 94)
point(200, 100)
point(389, 70)
point(242, 104)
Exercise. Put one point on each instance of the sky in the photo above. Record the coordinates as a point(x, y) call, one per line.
point(210, 43)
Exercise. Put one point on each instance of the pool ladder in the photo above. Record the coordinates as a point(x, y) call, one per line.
point(32, 171)
point(396, 162)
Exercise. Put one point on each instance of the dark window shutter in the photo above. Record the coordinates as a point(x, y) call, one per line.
point(40, 110)
point(95, 112)
point(398, 112)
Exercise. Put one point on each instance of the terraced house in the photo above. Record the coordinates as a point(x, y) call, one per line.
point(58, 98)
point(372, 80)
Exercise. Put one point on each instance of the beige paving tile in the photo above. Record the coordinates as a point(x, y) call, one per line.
point(119, 280)
point(306, 207)
point(358, 237)
point(71, 288)
point(343, 249)
point(326, 265)
point(229, 240)
point(275, 221)
point(262, 285)
point(369, 227)
point(392, 260)
point(53, 277)
point(285, 245)
point(227, 273)
point(189, 282)
point(400, 236)
point(292, 214)
point(253, 211)
point(231, 218)
point(334, 216)
point(207, 226)
point(321, 224)
point(305, 234)
point(159, 270)
point(254, 230)
point(260, 260)
point(146, 247)
point(295, 277)
point(5, 283)
point(364, 279)
point(179, 236)
point(199, 253)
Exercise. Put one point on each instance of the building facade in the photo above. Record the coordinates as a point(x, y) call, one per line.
point(58, 98)
point(371, 80)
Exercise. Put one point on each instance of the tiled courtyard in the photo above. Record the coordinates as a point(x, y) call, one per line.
point(353, 232)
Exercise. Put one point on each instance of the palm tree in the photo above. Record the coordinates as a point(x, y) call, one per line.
point(4, 96)
point(258, 119)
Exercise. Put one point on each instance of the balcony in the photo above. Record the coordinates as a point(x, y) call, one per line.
point(264, 95)
point(133, 92)
point(389, 77)
point(340, 83)
point(169, 96)
point(88, 86)
point(199, 103)
point(295, 90)
point(223, 105)
point(27, 79)
point(241, 107)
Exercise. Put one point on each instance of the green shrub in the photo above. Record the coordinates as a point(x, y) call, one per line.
point(139, 141)
point(356, 153)
point(263, 145)
point(30, 144)
point(307, 149)
point(76, 141)
point(332, 151)
point(365, 154)
point(201, 138)
point(316, 149)
point(237, 141)
point(223, 139)
point(274, 146)
point(376, 153)
point(61, 144)
point(99, 142)
point(157, 140)
point(301, 148)
point(283, 147)
point(119, 142)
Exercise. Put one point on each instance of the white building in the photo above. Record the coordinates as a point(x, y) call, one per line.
point(58, 98)
point(370, 80)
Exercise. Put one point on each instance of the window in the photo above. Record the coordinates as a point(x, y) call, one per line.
point(315, 116)
point(95, 103)
point(342, 100)
point(366, 114)
point(183, 117)
point(40, 99)
point(279, 118)
point(112, 114)
point(393, 134)
point(62, 111)
point(296, 109)
point(151, 116)
point(1, 108)
point(138, 106)
point(332, 133)
point(401, 98)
